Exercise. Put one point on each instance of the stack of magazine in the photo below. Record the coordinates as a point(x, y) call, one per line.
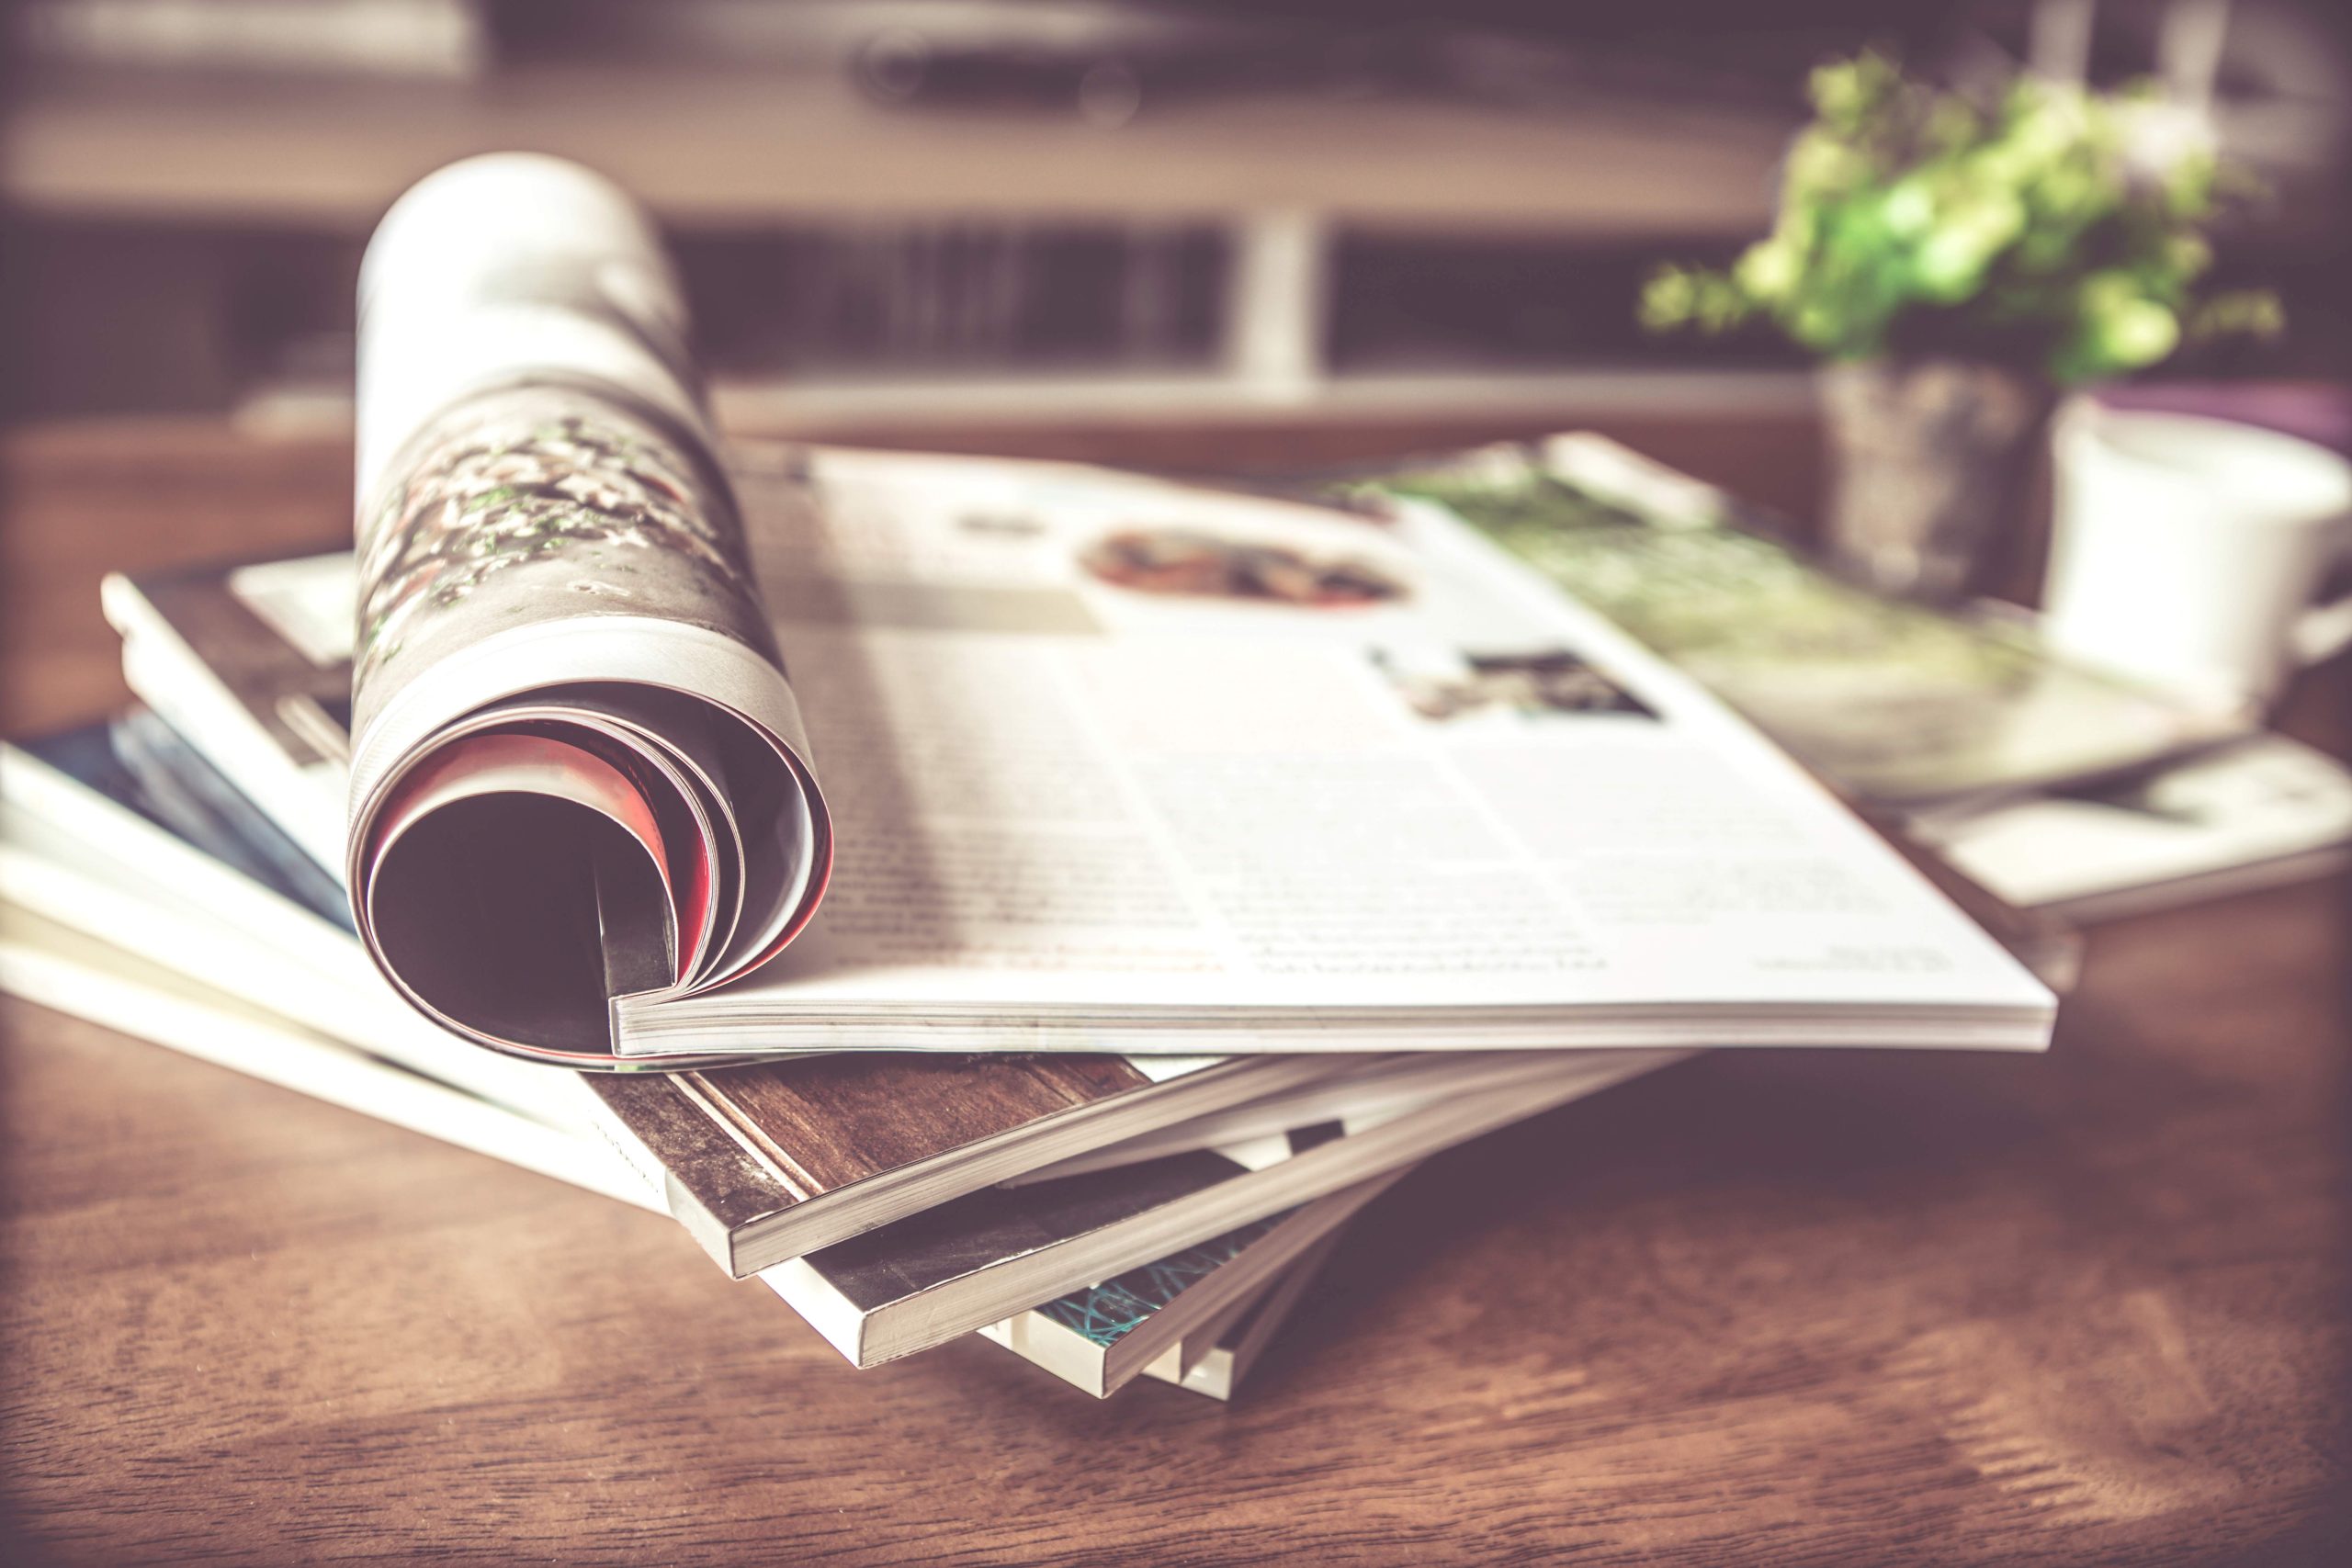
point(970, 897)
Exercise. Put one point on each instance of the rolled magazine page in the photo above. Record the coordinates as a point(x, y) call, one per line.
point(577, 771)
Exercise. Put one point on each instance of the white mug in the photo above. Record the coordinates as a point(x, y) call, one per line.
point(2186, 550)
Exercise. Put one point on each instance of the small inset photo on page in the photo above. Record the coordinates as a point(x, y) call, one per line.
point(1548, 684)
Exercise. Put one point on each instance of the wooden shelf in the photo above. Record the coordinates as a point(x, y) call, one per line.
point(713, 149)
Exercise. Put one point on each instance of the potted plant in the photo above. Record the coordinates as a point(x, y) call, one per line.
point(1958, 262)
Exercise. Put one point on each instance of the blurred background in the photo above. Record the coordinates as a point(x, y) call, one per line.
point(913, 211)
point(1215, 236)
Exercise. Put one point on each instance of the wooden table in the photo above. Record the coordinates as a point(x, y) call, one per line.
point(1791, 1307)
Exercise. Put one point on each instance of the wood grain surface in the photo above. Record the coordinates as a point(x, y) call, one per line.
point(1776, 1308)
point(837, 1120)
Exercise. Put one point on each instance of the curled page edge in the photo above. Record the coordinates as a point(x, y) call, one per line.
point(595, 649)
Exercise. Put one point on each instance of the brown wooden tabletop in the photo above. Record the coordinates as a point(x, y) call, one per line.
point(1789, 1307)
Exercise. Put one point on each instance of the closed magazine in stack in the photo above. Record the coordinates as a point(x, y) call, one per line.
point(969, 896)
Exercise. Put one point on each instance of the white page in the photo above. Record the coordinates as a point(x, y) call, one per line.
point(1056, 793)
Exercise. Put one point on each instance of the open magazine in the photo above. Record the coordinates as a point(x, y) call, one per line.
point(1460, 719)
point(1116, 760)
point(1112, 763)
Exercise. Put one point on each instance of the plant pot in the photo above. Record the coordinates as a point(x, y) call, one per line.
point(1929, 464)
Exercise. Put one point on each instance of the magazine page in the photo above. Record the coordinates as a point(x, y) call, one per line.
point(1103, 746)
point(578, 770)
point(1897, 701)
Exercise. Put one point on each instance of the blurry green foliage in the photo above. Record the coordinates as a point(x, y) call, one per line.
point(2056, 229)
